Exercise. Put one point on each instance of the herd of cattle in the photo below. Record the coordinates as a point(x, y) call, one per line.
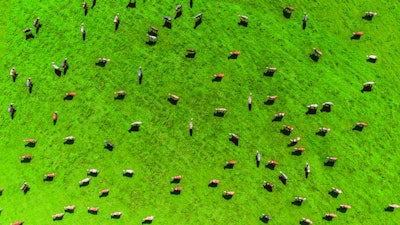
point(153, 36)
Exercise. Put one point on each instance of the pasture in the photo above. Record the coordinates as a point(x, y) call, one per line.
point(367, 169)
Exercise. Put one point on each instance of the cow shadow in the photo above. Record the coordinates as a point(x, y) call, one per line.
point(27, 160)
point(232, 56)
point(68, 97)
point(127, 175)
point(83, 36)
point(69, 210)
point(355, 37)
point(327, 218)
point(269, 102)
point(234, 141)
point(321, 133)
point(270, 166)
point(341, 209)
point(268, 188)
point(367, 17)
point(29, 36)
point(57, 72)
point(304, 25)
point(197, 23)
point(66, 70)
point(277, 119)
point(329, 163)
point(102, 195)
point(119, 97)
point(55, 122)
point(15, 78)
point(243, 23)
point(57, 218)
point(366, 88)
point(303, 223)
point(101, 64)
point(297, 153)
point(311, 111)
point(269, 73)
point(249, 106)
point(283, 180)
point(213, 185)
point(84, 184)
point(109, 148)
point(333, 194)
point(175, 192)
point(371, 60)
point(326, 109)
point(285, 132)
point(227, 197)
point(190, 55)
point(115, 216)
point(94, 3)
point(217, 79)
point(175, 181)
point(147, 222)
point(191, 132)
point(134, 129)
point(178, 14)
point(151, 43)
point(131, 4)
point(389, 209)
point(13, 114)
point(298, 203)
point(358, 128)
point(30, 145)
point(48, 179)
point(219, 114)
point(69, 142)
point(286, 14)
point(172, 101)
point(229, 166)
point(26, 190)
point(38, 28)
point(153, 33)
point(30, 88)
point(291, 144)
point(92, 174)
point(92, 212)
point(191, 3)
point(167, 25)
point(314, 57)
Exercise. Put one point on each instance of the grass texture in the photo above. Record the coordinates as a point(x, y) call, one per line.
point(368, 167)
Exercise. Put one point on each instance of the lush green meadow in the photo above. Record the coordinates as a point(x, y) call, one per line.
point(367, 169)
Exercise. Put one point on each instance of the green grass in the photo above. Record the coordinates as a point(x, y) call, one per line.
point(367, 170)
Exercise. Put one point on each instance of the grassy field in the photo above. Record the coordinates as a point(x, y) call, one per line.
point(368, 167)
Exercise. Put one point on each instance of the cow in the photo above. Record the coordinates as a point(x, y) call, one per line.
point(55, 116)
point(268, 185)
point(368, 84)
point(136, 124)
point(307, 221)
point(83, 31)
point(271, 69)
point(36, 22)
point(191, 52)
point(92, 171)
point(167, 19)
point(295, 140)
point(324, 129)
point(69, 208)
point(173, 97)
point(153, 29)
point(30, 140)
point(64, 63)
point(17, 223)
point(317, 52)
point(84, 181)
point(178, 8)
point(116, 19)
point(191, 126)
point(84, 5)
point(265, 217)
point(69, 138)
point(104, 60)
point(198, 17)
point(11, 108)
point(279, 115)
point(29, 82)
point(235, 53)
point(332, 159)
point(128, 172)
point(58, 216)
point(289, 9)
point(27, 31)
point(49, 176)
point(327, 104)
point(104, 192)
point(221, 110)
point(93, 209)
point(231, 163)
point(234, 136)
point(372, 57)
point(152, 38)
point(272, 162)
point(344, 206)
point(361, 124)
point(229, 193)
point(312, 106)
point(283, 176)
point(299, 199)
point(13, 73)
point(371, 14)
point(24, 187)
point(331, 215)
point(219, 75)
point(394, 206)
point(358, 34)
point(70, 94)
point(288, 128)
point(336, 190)
point(177, 178)
point(214, 182)
point(250, 99)
point(243, 18)
point(299, 149)
point(55, 66)
point(120, 93)
point(176, 189)
point(148, 219)
point(307, 168)
point(272, 97)
point(26, 158)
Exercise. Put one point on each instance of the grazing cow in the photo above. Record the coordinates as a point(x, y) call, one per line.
point(361, 124)
point(288, 128)
point(229, 193)
point(231, 163)
point(344, 206)
point(371, 14)
point(26, 157)
point(307, 168)
point(272, 97)
point(394, 206)
point(69, 138)
point(198, 16)
point(55, 66)
point(18, 223)
point(178, 8)
point(221, 110)
point(235, 53)
point(258, 157)
point(93, 209)
point(289, 9)
point(153, 29)
point(136, 124)
point(84, 181)
point(368, 84)
point(116, 214)
point(299, 149)
point(191, 51)
point(326, 106)
point(83, 31)
point(64, 63)
point(191, 125)
point(152, 38)
point(120, 93)
point(336, 190)
point(243, 18)
point(24, 186)
point(268, 185)
point(234, 136)
point(273, 162)
point(49, 176)
point(219, 75)
point(148, 219)
point(306, 220)
point(324, 129)
point(58, 216)
point(84, 5)
point(1, 191)
point(312, 106)
point(116, 19)
point(93, 171)
point(104, 192)
point(128, 172)
point(271, 69)
point(372, 57)
point(177, 178)
point(11, 108)
point(13, 73)
point(331, 215)
point(250, 99)
point(332, 159)
point(109, 145)
point(36, 22)
point(214, 182)
point(70, 94)
point(280, 115)
point(265, 217)
point(167, 19)
point(30, 140)
point(173, 97)
point(104, 60)
point(358, 33)
point(55, 116)
point(283, 176)
point(27, 31)
point(295, 140)
point(69, 208)
point(299, 199)
point(317, 52)
point(177, 189)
